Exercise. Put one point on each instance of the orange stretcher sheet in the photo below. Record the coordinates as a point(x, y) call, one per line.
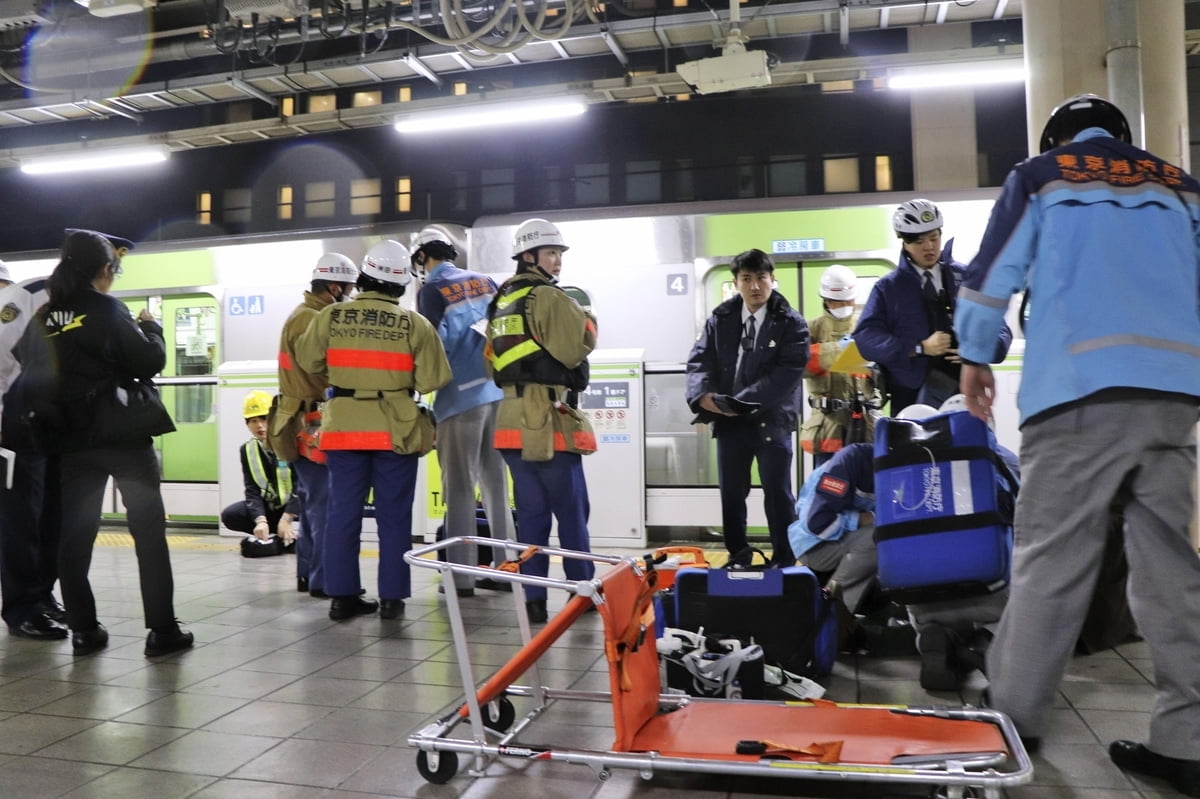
point(711, 730)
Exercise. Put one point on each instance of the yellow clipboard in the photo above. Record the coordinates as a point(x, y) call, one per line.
point(850, 360)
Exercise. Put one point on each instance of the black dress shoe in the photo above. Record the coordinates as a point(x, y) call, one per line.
point(345, 607)
point(492, 584)
point(302, 584)
point(1184, 775)
point(164, 641)
point(40, 628)
point(391, 608)
point(85, 642)
point(55, 611)
point(535, 609)
point(938, 668)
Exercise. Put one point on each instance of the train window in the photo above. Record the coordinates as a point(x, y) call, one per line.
point(364, 196)
point(460, 88)
point(685, 182)
point(591, 184)
point(883, 173)
point(403, 195)
point(204, 208)
point(643, 182)
point(284, 203)
point(552, 186)
point(236, 206)
point(195, 344)
point(319, 198)
point(404, 94)
point(747, 185)
point(364, 99)
point(841, 174)
point(287, 106)
point(498, 189)
point(458, 197)
point(787, 176)
point(322, 102)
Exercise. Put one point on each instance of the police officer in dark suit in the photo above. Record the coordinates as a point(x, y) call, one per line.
point(744, 375)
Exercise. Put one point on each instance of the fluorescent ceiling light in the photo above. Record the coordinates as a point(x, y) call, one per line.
point(93, 160)
point(954, 76)
point(519, 113)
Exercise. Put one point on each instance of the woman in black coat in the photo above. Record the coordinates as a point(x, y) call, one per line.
point(84, 373)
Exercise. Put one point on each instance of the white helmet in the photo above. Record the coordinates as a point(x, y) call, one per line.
point(915, 413)
point(389, 262)
point(838, 282)
point(534, 233)
point(4, 273)
point(956, 403)
point(335, 268)
point(916, 217)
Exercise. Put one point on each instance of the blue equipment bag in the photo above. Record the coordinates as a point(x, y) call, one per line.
point(944, 508)
point(785, 611)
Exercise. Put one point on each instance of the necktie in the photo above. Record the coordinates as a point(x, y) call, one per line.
point(748, 334)
point(930, 290)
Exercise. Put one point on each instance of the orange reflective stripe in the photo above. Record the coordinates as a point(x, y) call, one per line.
point(511, 439)
point(356, 440)
point(507, 439)
point(285, 362)
point(370, 359)
point(814, 361)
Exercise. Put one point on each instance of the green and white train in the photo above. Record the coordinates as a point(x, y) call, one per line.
point(651, 273)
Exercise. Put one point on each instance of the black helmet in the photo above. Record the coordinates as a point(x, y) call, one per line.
point(1079, 112)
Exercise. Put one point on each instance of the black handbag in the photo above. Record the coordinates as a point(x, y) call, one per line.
point(127, 413)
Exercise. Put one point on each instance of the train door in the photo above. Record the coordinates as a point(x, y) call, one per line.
point(188, 382)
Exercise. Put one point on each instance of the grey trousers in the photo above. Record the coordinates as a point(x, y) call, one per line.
point(1141, 452)
point(852, 559)
point(468, 459)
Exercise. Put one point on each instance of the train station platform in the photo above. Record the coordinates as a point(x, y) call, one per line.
point(277, 701)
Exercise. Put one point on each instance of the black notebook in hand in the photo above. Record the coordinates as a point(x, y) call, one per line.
point(734, 405)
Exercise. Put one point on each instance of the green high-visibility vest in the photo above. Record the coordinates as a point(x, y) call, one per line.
point(283, 474)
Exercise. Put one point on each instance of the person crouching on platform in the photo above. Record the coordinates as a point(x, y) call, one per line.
point(271, 506)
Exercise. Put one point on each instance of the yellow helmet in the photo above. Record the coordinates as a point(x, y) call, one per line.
point(257, 403)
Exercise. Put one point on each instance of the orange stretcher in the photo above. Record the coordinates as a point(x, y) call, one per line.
point(960, 751)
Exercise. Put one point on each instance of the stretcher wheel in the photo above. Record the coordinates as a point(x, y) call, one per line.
point(445, 766)
point(499, 715)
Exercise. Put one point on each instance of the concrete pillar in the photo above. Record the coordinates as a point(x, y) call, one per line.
point(1069, 49)
point(1064, 55)
point(945, 152)
point(1164, 80)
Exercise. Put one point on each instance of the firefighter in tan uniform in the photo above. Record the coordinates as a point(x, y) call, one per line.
point(377, 357)
point(841, 403)
point(538, 342)
point(296, 417)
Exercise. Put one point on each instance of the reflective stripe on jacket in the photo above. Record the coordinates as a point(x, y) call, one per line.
point(376, 356)
point(275, 492)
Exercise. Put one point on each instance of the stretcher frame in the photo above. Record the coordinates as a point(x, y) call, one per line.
point(493, 727)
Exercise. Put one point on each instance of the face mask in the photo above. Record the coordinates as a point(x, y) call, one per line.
point(841, 313)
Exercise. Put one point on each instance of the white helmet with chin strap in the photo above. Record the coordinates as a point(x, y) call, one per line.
point(334, 267)
point(838, 283)
point(916, 217)
point(535, 233)
point(389, 262)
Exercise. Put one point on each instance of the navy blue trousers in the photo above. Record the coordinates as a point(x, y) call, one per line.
point(352, 474)
point(736, 452)
point(544, 491)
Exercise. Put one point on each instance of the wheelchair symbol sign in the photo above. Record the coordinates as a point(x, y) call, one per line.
point(251, 305)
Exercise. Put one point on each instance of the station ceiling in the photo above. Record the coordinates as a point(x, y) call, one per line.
point(236, 65)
